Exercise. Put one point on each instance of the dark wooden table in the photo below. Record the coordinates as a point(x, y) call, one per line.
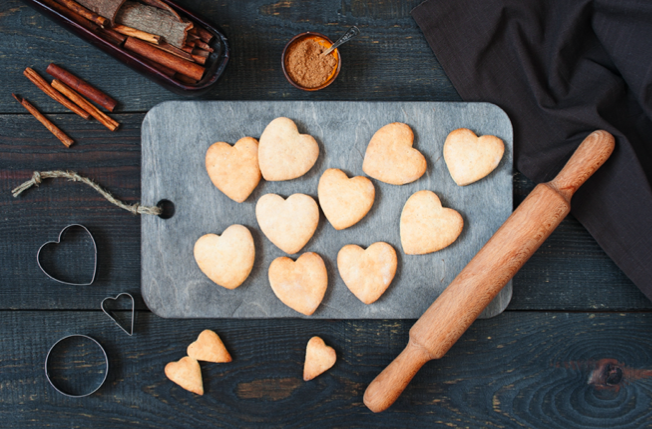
point(571, 350)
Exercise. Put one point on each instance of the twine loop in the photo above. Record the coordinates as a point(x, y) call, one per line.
point(37, 179)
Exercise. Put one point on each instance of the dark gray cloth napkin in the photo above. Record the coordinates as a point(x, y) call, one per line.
point(562, 69)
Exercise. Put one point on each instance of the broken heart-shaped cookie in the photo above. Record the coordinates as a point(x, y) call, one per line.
point(299, 284)
point(367, 273)
point(227, 259)
point(209, 348)
point(290, 223)
point(284, 153)
point(319, 358)
point(186, 373)
point(391, 158)
point(469, 158)
point(344, 201)
point(234, 169)
point(426, 226)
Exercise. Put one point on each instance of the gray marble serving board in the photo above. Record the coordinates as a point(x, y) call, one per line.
point(175, 137)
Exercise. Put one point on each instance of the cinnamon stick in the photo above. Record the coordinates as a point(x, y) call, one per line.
point(81, 10)
point(185, 79)
point(106, 8)
point(67, 141)
point(82, 87)
point(204, 34)
point(200, 44)
point(174, 51)
point(81, 101)
point(199, 60)
point(56, 95)
point(138, 34)
point(108, 35)
point(168, 60)
point(165, 70)
point(155, 21)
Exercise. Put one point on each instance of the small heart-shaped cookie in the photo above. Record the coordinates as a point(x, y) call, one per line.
point(344, 201)
point(426, 226)
point(187, 374)
point(391, 158)
point(234, 169)
point(319, 358)
point(227, 259)
point(300, 285)
point(289, 224)
point(209, 348)
point(283, 153)
point(470, 158)
point(367, 273)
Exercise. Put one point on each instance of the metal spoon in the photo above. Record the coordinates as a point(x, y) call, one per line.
point(350, 34)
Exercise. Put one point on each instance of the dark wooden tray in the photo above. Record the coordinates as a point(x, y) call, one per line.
point(215, 64)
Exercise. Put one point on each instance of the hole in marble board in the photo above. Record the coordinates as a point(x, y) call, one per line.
point(167, 208)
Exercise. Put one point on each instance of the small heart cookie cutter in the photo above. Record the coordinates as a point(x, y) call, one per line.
point(133, 311)
point(63, 231)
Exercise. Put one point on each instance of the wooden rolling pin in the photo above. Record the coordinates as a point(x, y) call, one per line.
point(489, 270)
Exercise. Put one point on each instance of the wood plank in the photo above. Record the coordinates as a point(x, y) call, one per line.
point(374, 65)
point(569, 271)
point(37, 216)
point(517, 370)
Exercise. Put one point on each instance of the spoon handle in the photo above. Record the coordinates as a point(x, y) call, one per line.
point(350, 34)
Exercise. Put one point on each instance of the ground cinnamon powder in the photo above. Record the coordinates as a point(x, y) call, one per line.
point(305, 66)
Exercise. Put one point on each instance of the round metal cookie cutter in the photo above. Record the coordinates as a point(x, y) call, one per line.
point(71, 395)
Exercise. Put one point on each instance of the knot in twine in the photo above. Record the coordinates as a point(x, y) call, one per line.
point(37, 179)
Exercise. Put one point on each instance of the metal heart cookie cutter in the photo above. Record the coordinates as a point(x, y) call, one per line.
point(63, 231)
point(133, 309)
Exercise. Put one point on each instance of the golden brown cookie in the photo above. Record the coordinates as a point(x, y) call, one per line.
point(367, 273)
point(187, 374)
point(344, 201)
point(300, 285)
point(283, 153)
point(209, 348)
point(470, 158)
point(319, 358)
point(426, 226)
point(234, 169)
point(227, 259)
point(391, 158)
point(289, 224)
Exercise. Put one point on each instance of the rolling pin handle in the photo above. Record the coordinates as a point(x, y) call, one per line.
point(388, 386)
point(587, 158)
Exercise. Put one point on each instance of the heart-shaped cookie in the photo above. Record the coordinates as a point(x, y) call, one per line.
point(344, 201)
point(209, 348)
point(470, 158)
point(391, 158)
point(289, 224)
point(300, 285)
point(319, 358)
point(187, 374)
point(367, 273)
point(227, 259)
point(283, 153)
point(234, 169)
point(426, 226)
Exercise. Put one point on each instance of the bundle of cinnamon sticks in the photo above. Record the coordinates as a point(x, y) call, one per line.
point(153, 31)
point(66, 89)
